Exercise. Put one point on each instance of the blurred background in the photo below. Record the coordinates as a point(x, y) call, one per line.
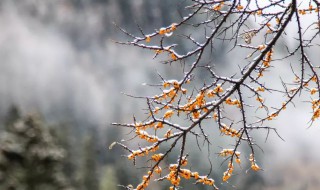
point(61, 76)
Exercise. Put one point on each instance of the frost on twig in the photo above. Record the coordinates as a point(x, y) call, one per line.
point(223, 21)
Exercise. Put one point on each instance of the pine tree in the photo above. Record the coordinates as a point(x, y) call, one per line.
point(29, 156)
point(89, 174)
point(109, 180)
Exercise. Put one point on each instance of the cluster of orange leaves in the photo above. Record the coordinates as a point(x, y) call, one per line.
point(254, 165)
point(219, 6)
point(170, 93)
point(227, 174)
point(199, 103)
point(272, 116)
point(144, 135)
point(230, 152)
point(266, 61)
point(193, 106)
point(316, 109)
point(143, 152)
point(174, 176)
point(236, 102)
point(229, 131)
point(315, 104)
point(146, 178)
point(235, 154)
point(163, 31)
point(310, 9)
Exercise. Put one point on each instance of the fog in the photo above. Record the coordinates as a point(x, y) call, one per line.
point(44, 70)
point(62, 62)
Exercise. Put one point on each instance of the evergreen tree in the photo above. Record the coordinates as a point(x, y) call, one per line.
point(12, 115)
point(109, 180)
point(69, 140)
point(29, 156)
point(89, 172)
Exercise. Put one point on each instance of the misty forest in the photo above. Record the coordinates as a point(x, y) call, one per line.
point(76, 80)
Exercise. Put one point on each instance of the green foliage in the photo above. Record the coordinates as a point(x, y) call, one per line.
point(109, 180)
point(29, 156)
point(89, 176)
